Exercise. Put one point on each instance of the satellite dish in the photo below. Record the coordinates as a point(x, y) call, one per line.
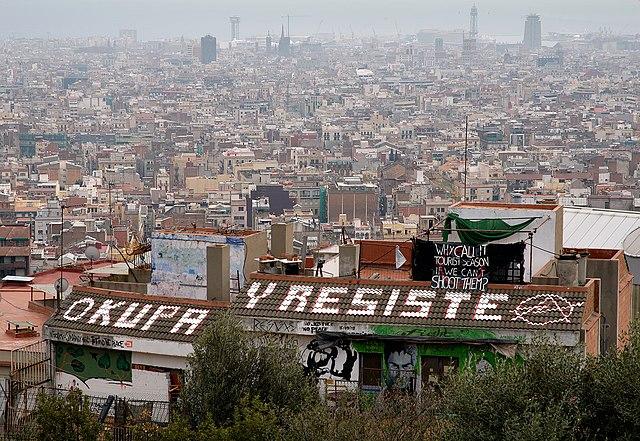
point(61, 285)
point(92, 253)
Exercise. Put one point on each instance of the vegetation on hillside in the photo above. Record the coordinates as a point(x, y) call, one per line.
point(240, 389)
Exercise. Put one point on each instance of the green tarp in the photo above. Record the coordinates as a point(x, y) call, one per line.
point(481, 231)
point(86, 362)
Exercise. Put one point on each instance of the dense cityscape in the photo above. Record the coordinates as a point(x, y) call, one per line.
point(400, 207)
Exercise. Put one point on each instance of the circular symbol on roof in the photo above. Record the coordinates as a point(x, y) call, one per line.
point(545, 309)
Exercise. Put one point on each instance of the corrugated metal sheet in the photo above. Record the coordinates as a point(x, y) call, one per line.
point(597, 228)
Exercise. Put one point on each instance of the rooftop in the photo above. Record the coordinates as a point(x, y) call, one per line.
point(598, 228)
point(395, 302)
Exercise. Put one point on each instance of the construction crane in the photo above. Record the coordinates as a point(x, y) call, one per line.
point(289, 17)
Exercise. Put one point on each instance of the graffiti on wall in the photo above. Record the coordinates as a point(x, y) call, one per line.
point(87, 362)
point(401, 366)
point(330, 358)
point(179, 264)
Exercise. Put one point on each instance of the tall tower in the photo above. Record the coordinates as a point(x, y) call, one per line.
point(268, 42)
point(532, 32)
point(473, 23)
point(284, 46)
point(208, 49)
point(235, 27)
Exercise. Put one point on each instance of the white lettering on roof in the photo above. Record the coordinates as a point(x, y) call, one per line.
point(391, 303)
point(253, 290)
point(126, 314)
point(324, 297)
point(406, 301)
point(86, 300)
point(299, 293)
point(414, 299)
point(455, 298)
point(103, 311)
point(189, 319)
point(486, 303)
point(160, 313)
point(124, 322)
point(358, 300)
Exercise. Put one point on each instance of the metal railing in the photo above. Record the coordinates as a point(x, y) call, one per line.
point(119, 415)
point(31, 365)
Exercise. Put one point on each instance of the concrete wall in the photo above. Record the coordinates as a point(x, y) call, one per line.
point(145, 385)
point(121, 286)
point(607, 271)
point(256, 247)
point(615, 295)
point(625, 299)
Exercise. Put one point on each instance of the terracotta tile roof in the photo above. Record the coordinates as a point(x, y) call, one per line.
point(14, 232)
point(384, 273)
point(15, 251)
point(101, 311)
point(410, 303)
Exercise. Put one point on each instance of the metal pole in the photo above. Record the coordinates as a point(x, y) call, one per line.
point(59, 290)
point(111, 241)
point(466, 146)
point(530, 257)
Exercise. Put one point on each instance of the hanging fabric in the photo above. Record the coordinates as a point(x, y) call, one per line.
point(481, 231)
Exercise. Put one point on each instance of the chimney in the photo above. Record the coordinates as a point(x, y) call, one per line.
point(281, 240)
point(567, 269)
point(348, 260)
point(582, 268)
point(218, 267)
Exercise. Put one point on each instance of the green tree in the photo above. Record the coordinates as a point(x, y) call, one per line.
point(229, 366)
point(611, 393)
point(63, 418)
point(537, 399)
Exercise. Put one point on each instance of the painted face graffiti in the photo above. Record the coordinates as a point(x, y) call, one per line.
point(330, 358)
point(401, 362)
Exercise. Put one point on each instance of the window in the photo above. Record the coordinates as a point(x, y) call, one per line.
point(370, 370)
point(435, 369)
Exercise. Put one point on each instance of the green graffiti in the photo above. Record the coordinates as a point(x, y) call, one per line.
point(447, 333)
point(86, 363)
point(368, 346)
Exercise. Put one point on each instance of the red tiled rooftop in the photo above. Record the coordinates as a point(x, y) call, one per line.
point(15, 232)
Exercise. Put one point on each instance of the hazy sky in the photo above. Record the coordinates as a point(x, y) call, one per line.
point(164, 18)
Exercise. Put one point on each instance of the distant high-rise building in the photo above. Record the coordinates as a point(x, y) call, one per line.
point(473, 24)
point(284, 47)
point(532, 32)
point(129, 34)
point(235, 27)
point(128, 38)
point(439, 44)
point(268, 42)
point(208, 49)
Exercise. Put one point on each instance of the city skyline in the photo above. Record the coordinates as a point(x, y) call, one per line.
point(193, 18)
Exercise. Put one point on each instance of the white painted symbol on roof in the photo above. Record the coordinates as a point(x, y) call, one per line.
point(544, 309)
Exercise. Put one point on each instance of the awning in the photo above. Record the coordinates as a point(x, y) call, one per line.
point(482, 231)
point(495, 342)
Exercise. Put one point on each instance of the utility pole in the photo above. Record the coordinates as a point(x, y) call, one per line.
point(110, 213)
point(466, 147)
point(59, 290)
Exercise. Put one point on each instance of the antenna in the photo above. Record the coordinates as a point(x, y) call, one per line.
point(466, 148)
